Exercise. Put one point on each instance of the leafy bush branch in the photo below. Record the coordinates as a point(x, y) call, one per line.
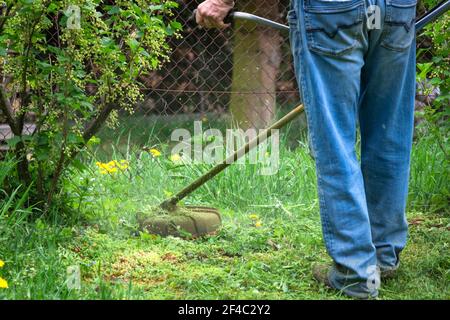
point(70, 65)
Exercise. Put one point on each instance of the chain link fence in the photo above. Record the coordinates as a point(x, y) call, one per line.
point(237, 76)
point(245, 71)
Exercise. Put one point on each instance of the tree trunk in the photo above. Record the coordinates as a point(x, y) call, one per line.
point(256, 61)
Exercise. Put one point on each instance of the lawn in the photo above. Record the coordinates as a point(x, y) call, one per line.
point(270, 238)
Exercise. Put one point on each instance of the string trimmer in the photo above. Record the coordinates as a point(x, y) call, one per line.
point(170, 219)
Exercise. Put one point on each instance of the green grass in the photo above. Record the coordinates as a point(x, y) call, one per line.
point(241, 261)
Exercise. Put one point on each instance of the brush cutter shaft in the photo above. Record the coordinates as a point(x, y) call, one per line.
point(433, 14)
point(263, 136)
point(259, 20)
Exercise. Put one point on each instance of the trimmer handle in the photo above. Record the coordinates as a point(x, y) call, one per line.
point(228, 18)
point(235, 15)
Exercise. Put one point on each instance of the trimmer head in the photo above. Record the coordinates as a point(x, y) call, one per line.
point(186, 221)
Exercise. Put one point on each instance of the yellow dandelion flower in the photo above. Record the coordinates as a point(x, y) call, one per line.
point(254, 216)
point(175, 158)
point(101, 164)
point(103, 167)
point(3, 283)
point(2, 263)
point(112, 170)
point(155, 153)
point(112, 166)
point(258, 224)
point(103, 170)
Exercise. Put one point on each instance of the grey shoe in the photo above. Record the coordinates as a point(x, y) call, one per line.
point(388, 274)
point(320, 273)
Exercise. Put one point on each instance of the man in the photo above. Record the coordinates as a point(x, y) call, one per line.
point(355, 66)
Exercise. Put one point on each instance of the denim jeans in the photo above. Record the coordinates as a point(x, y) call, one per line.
point(353, 75)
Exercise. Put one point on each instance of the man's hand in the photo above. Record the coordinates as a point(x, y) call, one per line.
point(211, 13)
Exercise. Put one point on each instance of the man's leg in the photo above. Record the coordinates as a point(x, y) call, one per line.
point(386, 124)
point(328, 49)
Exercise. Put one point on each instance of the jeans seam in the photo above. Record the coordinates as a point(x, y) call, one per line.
point(306, 101)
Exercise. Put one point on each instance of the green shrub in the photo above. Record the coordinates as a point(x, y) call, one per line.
point(71, 66)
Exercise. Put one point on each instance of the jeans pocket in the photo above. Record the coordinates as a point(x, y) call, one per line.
point(399, 29)
point(333, 27)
